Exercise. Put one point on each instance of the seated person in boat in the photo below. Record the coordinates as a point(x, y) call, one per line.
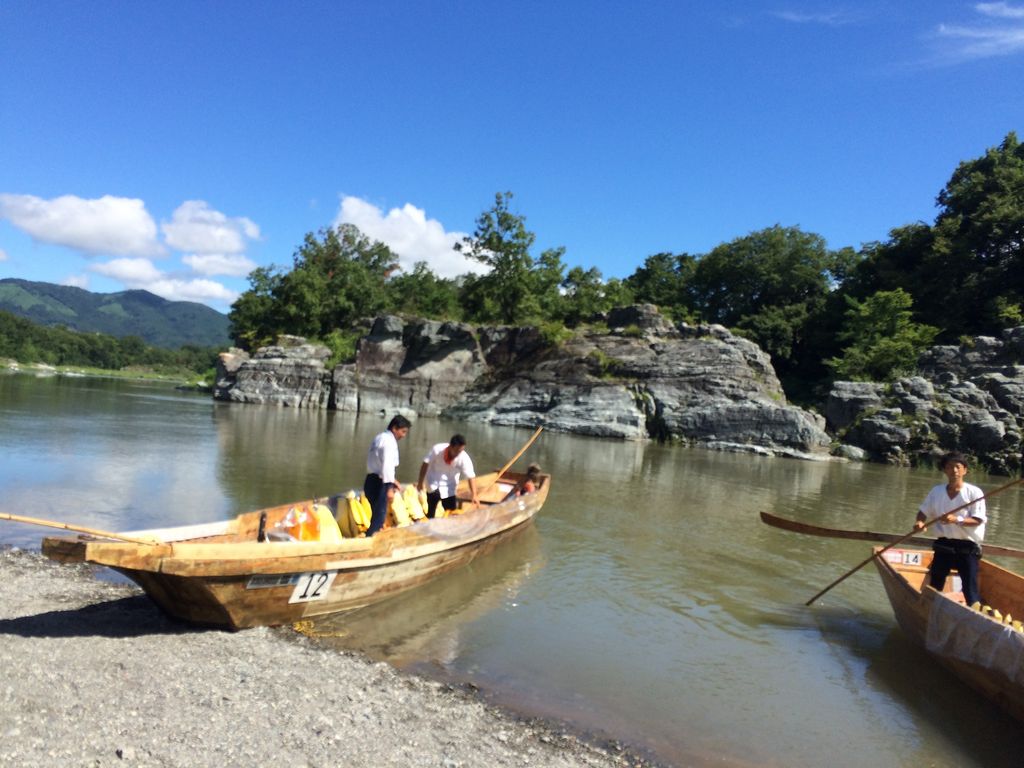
point(961, 507)
point(442, 468)
point(381, 464)
point(528, 484)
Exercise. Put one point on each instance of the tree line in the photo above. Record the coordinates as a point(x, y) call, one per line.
point(27, 342)
point(822, 314)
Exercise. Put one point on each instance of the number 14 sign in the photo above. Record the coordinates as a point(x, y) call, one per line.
point(312, 586)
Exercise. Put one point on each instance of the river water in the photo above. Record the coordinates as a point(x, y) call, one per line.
point(647, 603)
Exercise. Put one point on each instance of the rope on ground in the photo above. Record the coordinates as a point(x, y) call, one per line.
point(308, 628)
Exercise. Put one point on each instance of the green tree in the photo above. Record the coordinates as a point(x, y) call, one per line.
point(584, 294)
point(587, 294)
point(337, 277)
point(772, 286)
point(979, 237)
point(965, 273)
point(664, 280)
point(546, 299)
point(502, 242)
point(423, 294)
point(252, 314)
point(773, 267)
point(884, 341)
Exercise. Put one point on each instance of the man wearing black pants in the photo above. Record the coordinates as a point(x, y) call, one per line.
point(381, 463)
point(441, 471)
point(960, 532)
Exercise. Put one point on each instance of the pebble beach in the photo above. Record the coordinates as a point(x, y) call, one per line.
point(95, 675)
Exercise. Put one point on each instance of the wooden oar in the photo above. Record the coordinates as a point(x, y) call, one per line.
point(901, 539)
point(75, 528)
point(839, 533)
point(510, 462)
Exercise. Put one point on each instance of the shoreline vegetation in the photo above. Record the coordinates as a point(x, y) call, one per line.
point(183, 380)
point(92, 667)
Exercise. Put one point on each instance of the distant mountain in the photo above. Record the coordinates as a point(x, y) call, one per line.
point(156, 321)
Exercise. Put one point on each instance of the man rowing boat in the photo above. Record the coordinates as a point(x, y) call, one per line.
point(960, 533)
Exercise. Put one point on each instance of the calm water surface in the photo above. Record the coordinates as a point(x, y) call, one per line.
point(647, 603)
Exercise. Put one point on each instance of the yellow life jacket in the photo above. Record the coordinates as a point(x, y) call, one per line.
point(355, 514)
point(398, 511)
point(330, 533)
point(412, 503)
point(365, 512)
point(344, 517)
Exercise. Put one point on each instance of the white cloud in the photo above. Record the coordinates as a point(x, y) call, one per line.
point(76, 281)
point(233, 265)
point(3, 255)
point(140, 273)
point(115, 226)
point(197, 228)
point(828, 18)
point(1000, 10)
point(132, 272)
point(203, 291)
point(411, 235)
point(987, 38)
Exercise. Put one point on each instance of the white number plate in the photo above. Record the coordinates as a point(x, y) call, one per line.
point(312, 586)
point(903, 557)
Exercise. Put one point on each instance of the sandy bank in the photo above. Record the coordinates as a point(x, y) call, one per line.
point(94, 675)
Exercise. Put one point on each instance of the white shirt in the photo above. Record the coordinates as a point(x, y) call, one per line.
point(382, 458)
point(937, 502)
point(442, 476)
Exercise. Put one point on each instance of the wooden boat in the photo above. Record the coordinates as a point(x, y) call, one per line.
point(982, 650)
point(221, 575)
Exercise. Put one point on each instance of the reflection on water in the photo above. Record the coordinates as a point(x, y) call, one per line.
point(646, 602)
point(421, 626)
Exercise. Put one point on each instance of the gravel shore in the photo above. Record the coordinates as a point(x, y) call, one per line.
point(94, 675)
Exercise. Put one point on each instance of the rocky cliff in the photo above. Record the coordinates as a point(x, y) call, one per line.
point(968, 397)
point(637, 376)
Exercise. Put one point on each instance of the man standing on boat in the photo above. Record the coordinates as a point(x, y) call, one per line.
point(960, 532)
point(381, 464)
point(440, 473)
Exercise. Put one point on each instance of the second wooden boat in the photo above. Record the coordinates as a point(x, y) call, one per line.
point(984, 648)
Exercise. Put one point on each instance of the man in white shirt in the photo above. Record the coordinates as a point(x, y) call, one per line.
point(961, 530)
point(440, 473)
point(381, 463)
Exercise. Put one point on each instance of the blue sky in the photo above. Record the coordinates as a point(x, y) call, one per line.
point(175, 146)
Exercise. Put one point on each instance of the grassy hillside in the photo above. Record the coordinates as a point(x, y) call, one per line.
point(156, 321)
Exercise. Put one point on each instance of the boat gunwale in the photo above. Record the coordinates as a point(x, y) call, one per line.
point(232, 559)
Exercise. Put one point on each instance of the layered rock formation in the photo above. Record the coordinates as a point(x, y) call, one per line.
point(640, 377)
point(291, 372)
point(968, 397)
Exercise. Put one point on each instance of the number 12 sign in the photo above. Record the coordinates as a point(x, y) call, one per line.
point(312, 586)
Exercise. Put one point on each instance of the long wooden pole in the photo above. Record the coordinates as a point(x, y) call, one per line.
point(75, 528)
point(511, 461)
point(901, 539)
point(841, 533)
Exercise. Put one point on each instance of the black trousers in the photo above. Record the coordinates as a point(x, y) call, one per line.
point(960, 554)
point(376, 491)
point(434, 497)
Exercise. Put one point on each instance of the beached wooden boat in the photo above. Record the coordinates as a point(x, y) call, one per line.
point(220, 574)
point(980, 647)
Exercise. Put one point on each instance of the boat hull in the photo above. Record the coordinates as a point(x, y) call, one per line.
point(985, 653)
